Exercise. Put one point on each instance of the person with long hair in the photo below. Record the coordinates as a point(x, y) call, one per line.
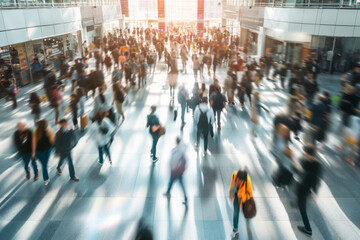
point(240, 191)
point(74, 108)
point(119, 98)
point(42, 142)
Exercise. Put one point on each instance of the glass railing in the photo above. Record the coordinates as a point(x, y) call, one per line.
point(54, 3)
point(301, 3)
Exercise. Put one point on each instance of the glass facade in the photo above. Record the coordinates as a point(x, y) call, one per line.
point(175, 10)
point(345, 52)
point(19, 60)
point(296, 3)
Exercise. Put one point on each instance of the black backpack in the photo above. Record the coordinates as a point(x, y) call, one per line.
point(203, 120)
point(218, 101)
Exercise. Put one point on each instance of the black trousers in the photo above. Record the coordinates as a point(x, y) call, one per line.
point(303, 194)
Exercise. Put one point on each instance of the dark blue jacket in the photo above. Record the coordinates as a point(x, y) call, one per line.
point(65, 140)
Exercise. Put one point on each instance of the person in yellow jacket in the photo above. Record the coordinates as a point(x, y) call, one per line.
point(240, 190)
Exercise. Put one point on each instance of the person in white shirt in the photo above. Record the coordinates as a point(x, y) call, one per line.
point(177, 167)
point(204, 118)
point(102, 131)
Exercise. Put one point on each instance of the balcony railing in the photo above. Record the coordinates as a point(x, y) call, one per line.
point(54, 3)
point(300, 3)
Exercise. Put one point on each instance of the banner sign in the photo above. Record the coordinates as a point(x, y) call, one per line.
point(125, 7)
point(200, 18)
point(161, 15)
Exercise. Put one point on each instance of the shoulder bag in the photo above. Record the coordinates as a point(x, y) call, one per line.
point(249, 207)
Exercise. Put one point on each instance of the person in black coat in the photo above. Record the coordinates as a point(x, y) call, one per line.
point(311, 88)
point(348, 103)
point(310, 181)
point(34, 104)
point(65, 141)
point(23, 142)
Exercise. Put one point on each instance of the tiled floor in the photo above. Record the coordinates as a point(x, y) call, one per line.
point(108, 201)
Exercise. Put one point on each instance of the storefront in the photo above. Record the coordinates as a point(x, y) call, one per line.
point(275, 48)
point(249, 39)
point(18, 60)
point(342, 51)
point(14, 63)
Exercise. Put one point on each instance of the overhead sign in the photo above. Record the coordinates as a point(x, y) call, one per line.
point(125, 7)
point(161, 15)
point(200, 18)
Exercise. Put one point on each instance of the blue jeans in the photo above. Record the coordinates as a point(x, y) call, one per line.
point(155, 138)
point(195, 73)
point(171, 182)
point(183, 108)
point(26, 159)
point(44, 159)
point(67, 155)
point(236, 212)
point(104, 149)
point(206, 133)
point(218, 114)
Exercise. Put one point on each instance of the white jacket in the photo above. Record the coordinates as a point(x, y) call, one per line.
point(100, 138)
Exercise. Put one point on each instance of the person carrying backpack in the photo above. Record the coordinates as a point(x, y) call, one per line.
point(204, 117)
point(217, 102)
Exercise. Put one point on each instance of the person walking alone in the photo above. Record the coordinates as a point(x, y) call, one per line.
point(240, 191)
point(310, 181)
point(65, 141)
point(42, 142)
point(102, 131)
point(204, 118)
point(23, 141)
point(177, 167)
point(154, 128)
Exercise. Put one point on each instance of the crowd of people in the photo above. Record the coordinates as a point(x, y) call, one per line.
point(131, 56)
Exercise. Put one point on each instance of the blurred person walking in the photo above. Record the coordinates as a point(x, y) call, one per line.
point(23, 142)
point(177, 167)
point(34, 104)
point(42, 142)
point(65, 141)
point(154, 126)
point(204, 118)
point(102, 131)
point(310, 181)
point(240, 191)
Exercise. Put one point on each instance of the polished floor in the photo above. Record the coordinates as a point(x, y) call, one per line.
point(108, 201)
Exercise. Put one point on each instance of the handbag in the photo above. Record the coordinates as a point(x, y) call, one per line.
point(84, 121)
point(249, 206)
point(161, 131)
